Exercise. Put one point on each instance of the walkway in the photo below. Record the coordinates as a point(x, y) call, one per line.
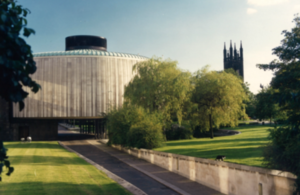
point(146, 176)
point(119, 168)
point(150, 178)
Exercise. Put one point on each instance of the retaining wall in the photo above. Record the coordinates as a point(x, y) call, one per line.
point(228, 178)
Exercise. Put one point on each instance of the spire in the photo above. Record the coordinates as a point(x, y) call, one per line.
point(224, 52)
point(241, 50)
point(230, 51)
point(235, 52)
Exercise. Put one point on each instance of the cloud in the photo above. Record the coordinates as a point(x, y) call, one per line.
point(251, 11)
point(265, 2)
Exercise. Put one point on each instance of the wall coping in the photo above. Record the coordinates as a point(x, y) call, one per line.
point(217, 163)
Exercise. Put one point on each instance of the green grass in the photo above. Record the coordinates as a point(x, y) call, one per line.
point(245, 148)
point(47, 168)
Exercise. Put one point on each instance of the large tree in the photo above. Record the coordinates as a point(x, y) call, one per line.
point(284, 149)
point(251, 101)
point(266, 105)
point(219, 97)
point(159, 86)
point(16, 61)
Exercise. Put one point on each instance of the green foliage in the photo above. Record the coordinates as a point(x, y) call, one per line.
point(283, 151)
point(286, 86)
point(4, 162)
point(132, 126)
point(16, 60)
point(251, 100)
point(267, 107)
point(251, 105)
point(146, 133)
point(159, 86)
point(177, 132)
point(219, 97)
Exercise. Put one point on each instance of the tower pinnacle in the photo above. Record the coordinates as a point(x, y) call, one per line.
point(235, 59)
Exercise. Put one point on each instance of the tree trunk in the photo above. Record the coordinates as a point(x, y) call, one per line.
point(210, 127)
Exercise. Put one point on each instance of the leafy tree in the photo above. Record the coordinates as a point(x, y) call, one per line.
point(4, 161)
point(251, 101)
point(266, 106)
point(219, 97)
point(16, 61)
point(159, 86)
point(283, 152)
point(251, 105)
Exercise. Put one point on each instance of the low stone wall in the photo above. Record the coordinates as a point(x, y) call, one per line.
point(228, 178)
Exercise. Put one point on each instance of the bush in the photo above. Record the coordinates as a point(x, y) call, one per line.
point(146, 133)
point(118, 124)
point(283, 151)
point(177, 132)
point(132, 126)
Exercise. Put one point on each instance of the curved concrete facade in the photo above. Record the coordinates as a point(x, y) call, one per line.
point(78, 85)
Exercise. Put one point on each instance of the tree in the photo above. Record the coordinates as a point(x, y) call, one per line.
point(16, 61)
point(159, 86)
point(266, 106)
point(283, 151)
point(251, 101)
point(219, 97)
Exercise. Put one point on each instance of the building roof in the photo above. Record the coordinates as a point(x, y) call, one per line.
point(88, 52)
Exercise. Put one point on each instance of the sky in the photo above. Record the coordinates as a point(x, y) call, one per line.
point(192, 32)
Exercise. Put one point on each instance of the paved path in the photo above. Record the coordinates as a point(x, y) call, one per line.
point(119, 168)
point(146, 176)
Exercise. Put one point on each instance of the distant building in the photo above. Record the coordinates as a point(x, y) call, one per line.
point(234, 59)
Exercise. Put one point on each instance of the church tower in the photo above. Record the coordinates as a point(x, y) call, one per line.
point(234, 59)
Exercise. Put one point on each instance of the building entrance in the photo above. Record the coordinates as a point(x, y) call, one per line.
point(23, 132)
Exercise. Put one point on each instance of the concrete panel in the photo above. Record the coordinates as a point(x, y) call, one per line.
point(77, 86)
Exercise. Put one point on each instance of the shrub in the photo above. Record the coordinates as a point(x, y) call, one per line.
point(200, 132)
point(132, 126)
point(177, 132)
point(146, 133)
point(283, 151)
point(118, 125)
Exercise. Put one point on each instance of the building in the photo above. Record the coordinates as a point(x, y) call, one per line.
point(78, 84)
point(234, 59)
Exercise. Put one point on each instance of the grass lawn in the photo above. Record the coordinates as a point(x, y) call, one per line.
point(47, 168)
point(245, 148)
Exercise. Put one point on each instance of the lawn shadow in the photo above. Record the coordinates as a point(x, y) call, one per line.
point(33, 145)
point(213, 141)
point(61, 188)
point(36, 160)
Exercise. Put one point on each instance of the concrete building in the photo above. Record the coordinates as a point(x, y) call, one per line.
point(80, 84)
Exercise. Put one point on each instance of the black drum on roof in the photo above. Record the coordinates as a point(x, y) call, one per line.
point(86, 42)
